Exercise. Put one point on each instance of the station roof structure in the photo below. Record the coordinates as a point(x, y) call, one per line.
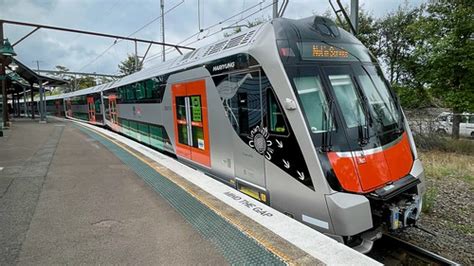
point(24, 76)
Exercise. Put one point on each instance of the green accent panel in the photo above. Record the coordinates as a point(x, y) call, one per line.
point(233, 244)
point(126, 123)
point(156, 136)
point(196, 108)
point(133, 129)
point(144, 136)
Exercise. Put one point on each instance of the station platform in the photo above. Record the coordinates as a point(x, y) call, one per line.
point(69, 194)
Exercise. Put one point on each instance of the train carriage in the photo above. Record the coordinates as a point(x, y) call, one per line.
point(54, 105)
point(85, 105)
point(295, 113)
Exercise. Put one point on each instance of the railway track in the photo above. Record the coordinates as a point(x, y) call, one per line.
point(391, 250)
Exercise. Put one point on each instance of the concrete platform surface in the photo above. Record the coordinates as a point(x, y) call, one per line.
point(66, 199)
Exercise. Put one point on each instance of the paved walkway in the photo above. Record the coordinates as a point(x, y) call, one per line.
point(65, 198)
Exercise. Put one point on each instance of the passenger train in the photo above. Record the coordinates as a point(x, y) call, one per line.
point(295, 113)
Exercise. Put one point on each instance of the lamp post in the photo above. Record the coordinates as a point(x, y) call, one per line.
point(6, 51)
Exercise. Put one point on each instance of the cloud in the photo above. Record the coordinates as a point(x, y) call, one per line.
point(124, 17)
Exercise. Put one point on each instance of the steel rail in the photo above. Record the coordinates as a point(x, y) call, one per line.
point(389, 246)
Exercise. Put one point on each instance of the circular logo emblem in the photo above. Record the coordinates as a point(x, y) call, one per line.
point(260, 143)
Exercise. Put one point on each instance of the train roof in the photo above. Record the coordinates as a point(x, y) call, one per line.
point(234, 44)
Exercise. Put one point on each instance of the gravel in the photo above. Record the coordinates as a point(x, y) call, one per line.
point(450, 218)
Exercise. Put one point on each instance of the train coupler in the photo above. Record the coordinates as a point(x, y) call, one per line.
point(405, 213)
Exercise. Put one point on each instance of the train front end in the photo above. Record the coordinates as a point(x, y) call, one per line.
point(355, 121)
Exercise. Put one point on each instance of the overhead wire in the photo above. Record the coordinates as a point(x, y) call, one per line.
point(101, 18)
point(208, 28)
point(131, 34)
point(214, 25)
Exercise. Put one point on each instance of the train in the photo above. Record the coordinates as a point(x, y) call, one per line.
point(295, 113)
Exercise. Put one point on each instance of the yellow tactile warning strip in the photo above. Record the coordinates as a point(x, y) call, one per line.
point(286, 251)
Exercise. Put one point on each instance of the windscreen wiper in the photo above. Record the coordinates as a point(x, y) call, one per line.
point(364, 131)
point(326, 142)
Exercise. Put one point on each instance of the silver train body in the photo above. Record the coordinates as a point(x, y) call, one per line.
point(294, 113)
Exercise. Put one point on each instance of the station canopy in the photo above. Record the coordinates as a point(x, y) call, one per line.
point(25, 77)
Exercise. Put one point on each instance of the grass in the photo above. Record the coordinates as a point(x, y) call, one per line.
point(429, 199)
point(435, 142)
point(439, 164)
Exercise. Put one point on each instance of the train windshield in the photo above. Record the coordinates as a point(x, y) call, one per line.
point(379, 99)
point(312, 97)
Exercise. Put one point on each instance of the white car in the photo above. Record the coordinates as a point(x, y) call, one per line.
point(444, 124)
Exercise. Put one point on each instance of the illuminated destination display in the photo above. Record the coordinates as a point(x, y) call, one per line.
point(338, 52)
point(322, 50)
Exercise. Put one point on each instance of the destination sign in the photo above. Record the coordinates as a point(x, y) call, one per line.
point(337, 52)
point(323, 50)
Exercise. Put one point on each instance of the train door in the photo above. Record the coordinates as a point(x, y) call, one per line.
point(58, 107)
point(190, 120)
point(247, 112)
point(91, 108)
point(112, 99)
point(68, 108)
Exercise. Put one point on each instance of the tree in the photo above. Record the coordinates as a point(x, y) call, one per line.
point(103, 80)
point(85, 82)
point(367, 31)
point(63, 75)
point(62, 72)
point(397, 33)
point(397, 39)
point(250, 24)
point(129, 65)
point(446, 49)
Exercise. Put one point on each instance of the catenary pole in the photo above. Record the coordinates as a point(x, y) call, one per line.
point(162, 5)
point(4, 85)
point(275, 8)
point(354, 16)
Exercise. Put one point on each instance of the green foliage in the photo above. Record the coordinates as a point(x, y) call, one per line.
point(446, 49)
point(412, 98)
point(368, 28)
point(397, 40)
point(249, 25)
point(85, 82)
point(129, 65)
point(429, 199)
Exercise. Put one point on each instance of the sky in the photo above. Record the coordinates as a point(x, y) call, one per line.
point(84, 53)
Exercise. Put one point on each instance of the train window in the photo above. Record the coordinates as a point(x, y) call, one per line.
point(196, 118)
point(133, 126)
point(149, 85)
point(155, 132)
point(165, 137)
point(125, 123)
point(143, 132)
point(140, 90)
point(97, 106)
point(181, 119)
point(130, 92)
point(245, 105)
point(276, 120)
point(381, 102)
point(348, 100)
point(143, 129)
point(313, 100)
